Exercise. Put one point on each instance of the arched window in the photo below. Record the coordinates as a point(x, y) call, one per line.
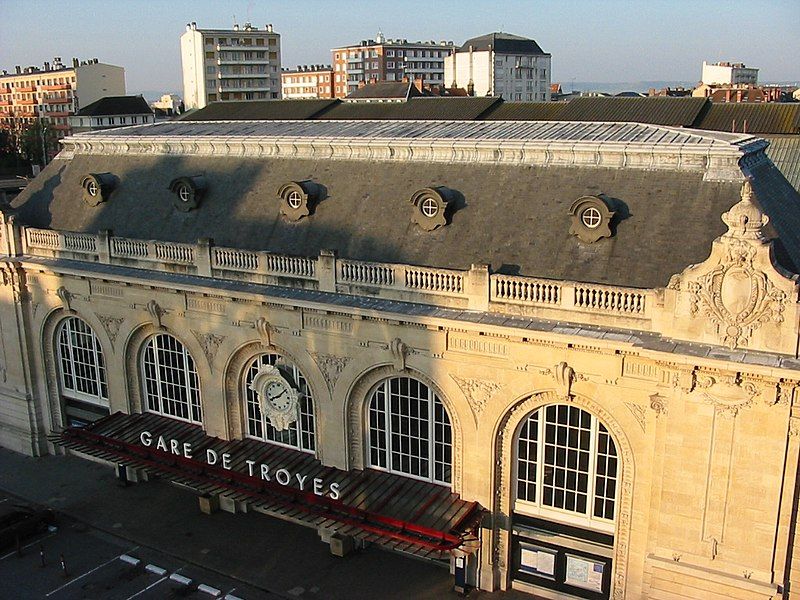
point(170, 378)
point(409, 430)
point(567, 467)
point(82, 370)
point(300, 434)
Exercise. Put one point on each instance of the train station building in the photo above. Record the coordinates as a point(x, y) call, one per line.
point(557, 357)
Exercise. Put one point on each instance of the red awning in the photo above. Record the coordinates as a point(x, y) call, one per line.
point(398, 512)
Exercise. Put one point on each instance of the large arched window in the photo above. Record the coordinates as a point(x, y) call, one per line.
point(409, 430)
point(300, 433)
point(567, 467)
point(82, 370)
point(171, 384)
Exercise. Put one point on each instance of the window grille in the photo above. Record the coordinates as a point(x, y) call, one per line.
point(409, 431)
point(171, 384)
point(567, 463)
point(300, 434)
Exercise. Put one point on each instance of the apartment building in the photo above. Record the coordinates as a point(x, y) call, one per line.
point(307, 81)
point(386, 59)
point(243, 63)
point(727, 73)
point(500, 64)
point(55, 92)
point(111, 112)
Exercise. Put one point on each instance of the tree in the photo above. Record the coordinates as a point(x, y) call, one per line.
point(36, 142)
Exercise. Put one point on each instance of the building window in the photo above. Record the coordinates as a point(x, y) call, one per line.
point(83, 368)
point(300, 434)
point(567, 467)
point(409, 431)
point(171, 384)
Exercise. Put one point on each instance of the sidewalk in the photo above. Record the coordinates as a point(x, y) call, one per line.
point(268, 553)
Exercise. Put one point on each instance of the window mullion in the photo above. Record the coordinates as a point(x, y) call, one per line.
point(590, 489)
point(541, 423)
point(157, 371)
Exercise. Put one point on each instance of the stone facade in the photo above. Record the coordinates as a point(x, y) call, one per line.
point(696, 383)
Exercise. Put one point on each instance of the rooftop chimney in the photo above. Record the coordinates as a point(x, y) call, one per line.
point(269, 27)
point(46, 66)
point(236, 27)
point(75, 62)
point(18, 69)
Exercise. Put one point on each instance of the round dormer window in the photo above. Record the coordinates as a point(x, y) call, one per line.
point(184, 193)
point(591, 218)
point(429, 207)
point(91, 188)
point(294, 200)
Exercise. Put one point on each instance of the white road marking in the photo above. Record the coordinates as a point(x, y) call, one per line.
point(79, 577)
point(152, 585)
point(27, 546)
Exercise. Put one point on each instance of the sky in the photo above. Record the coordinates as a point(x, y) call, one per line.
point(600, 41)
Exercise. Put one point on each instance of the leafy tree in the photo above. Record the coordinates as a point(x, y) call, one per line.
point(32, 140)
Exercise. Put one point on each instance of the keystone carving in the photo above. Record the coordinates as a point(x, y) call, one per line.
point(156, 312)
point(399, 351)
point(264, 329)
point(478, 392)
point(65, 297)
point(564, 376)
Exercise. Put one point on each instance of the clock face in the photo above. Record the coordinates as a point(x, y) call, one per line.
point(278, 395)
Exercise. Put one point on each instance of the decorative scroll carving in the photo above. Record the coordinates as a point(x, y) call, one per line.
point(399, 351)
point(210, 343)
point(658, 403)
point(264, 329)
point(728, 394)
point(331, 367)
point(66, 298)
point(638, 413)
point(111, 325)
point(478, 392)
point(156, 312)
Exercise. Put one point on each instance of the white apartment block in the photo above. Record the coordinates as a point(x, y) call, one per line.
point(500, 64)
point(727, 73)
point(307, 81)
point(243, 63)
point(56, 92)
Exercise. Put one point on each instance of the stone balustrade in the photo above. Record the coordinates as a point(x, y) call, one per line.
point(475, 288)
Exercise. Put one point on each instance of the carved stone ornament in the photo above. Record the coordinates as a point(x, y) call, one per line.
point(658, 404)
point(590, 218)
point(97, 187)
point(111, 325)
point(736, 295)
point(728, 394)
point(331, 367)
point(278, 400)
point(564, 376)
point(264, 329)
point(478, 392)
point(65, 297)
point(638, 413)
point(156, 312)
point(399, 351)
point(210, 343)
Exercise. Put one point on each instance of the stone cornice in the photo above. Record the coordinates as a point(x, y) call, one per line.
point(648, 147)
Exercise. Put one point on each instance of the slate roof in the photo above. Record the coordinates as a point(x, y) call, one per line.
point(385, 89)
point(514, 217)
point(260, 109)
point(784, 151)
point(504, 43)
point(762, 117)
point(423, 108)
point(116, 105)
